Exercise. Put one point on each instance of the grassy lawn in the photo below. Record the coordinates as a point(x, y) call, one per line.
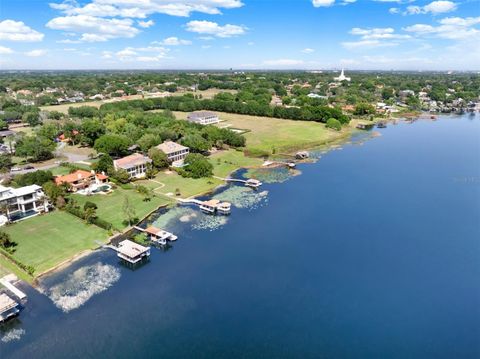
point(47, 240)
point(225, 162)
point(110, 205)
point(7, 267)
point(268, 134)
point(167, 182)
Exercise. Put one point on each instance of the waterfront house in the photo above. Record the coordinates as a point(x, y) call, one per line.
point(81, 179)
point(203, 117)
point(135, 165)
point(175, 152)
point(132, 252)
point(19, 203)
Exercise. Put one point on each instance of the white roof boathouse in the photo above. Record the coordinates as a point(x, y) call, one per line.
point(132, 253)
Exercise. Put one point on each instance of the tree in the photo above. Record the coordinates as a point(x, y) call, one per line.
point(5, 163)
point(197, 166)
point(32, 118)
point(37, 147)
point(196, 143)
point(147, 141)
point(146, 192)
point(121, 176)
point(128, 211)
point(53, 192)
point(104, 164)
point(89, 204)
point(159, 158)
point(39, 178)
point(364, 109)
point(91, 130)
point(6, 242)
point(334, 124)
point(115, 145)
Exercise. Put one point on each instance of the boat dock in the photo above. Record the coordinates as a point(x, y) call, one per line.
point(212, 206)
point(8, 307)
point(7, 283)
point(251, 182)
point(130, 252)
point(269, 163)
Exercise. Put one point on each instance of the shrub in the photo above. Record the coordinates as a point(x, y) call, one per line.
point(334, 124)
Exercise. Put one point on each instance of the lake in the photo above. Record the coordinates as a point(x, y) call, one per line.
point(371, 252)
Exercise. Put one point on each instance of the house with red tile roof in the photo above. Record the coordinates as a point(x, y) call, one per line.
point(81, 179)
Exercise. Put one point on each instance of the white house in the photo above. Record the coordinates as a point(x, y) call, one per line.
point(203, 117)
point(175, 152)
point(18, 203)
point(135, 165)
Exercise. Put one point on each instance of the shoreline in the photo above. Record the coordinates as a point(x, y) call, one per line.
point(327, 145)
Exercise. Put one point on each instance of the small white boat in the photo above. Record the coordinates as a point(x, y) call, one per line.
point(224, 208)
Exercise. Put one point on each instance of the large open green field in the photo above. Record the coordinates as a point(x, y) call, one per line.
point(270, 135)
point(48, 240)
point(110, 206)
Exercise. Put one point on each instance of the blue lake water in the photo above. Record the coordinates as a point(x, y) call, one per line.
point(372, 252)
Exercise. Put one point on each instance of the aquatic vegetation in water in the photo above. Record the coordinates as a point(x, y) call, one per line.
point(209, 222)
point(184, 214)
point(270, 175)
point(243, 197)
point(13, 334)
point(82, 285)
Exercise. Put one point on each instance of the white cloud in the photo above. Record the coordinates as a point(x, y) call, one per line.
point(212, 28)
point(94, 29)
point(308, 50)
point(146, 24)
point(374, 37)
point(283, 62)
point(12, 30)
point(144, 8)
point(323, 3)
point(5, 50)
point(172, 41)
point(366, 44)
point(434, 8)
point(394, 10)
point(36, 53)
point(452, 28)
point(142, 54)
point(250, 43)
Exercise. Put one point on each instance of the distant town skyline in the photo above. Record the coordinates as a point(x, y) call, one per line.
point(240, 34)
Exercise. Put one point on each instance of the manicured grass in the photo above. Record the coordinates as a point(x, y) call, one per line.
point(47, 240)
point(7, 267)
point(225, 162)
point(167, 182)
point(267, 135)
point(110, 206)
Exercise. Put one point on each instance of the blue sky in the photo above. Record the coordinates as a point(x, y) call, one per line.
point(240, 34)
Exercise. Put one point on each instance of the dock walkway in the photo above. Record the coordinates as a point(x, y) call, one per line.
point(5, 281)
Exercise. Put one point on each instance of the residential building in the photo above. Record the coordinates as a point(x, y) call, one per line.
point(18, 203)
point(81, 179)
point(175, 152)
point(135, 165)
point(203, 117)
